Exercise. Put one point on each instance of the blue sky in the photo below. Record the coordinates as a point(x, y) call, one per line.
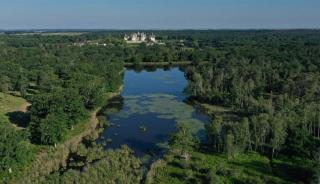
point(159, 14)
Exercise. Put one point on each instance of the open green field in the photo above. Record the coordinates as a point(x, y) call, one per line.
point(54, 34)
point(63, 34)
point(10, 104)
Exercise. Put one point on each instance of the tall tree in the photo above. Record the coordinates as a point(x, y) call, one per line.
point(5, 84)
point(278, 134)
point(213, 132)
point(182, 140)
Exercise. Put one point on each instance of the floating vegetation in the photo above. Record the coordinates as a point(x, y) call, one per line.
point(164, 105)
point(149, 114)
point(143, 128)
point(109, 141)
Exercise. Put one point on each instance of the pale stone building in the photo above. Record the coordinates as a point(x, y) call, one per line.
point(139, 38)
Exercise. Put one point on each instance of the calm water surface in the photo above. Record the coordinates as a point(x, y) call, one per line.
point(150, 106)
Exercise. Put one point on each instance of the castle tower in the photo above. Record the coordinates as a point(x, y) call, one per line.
point(152, 38)
point(126, 37)
point(143, 37)
point(134, 37)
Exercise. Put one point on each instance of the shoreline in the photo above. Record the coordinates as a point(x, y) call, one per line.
point(50, 159)
point(159, 63)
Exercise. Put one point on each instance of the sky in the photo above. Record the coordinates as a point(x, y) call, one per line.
point(159, 14)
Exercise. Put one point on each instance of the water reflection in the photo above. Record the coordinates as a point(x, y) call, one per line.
point(148, 109)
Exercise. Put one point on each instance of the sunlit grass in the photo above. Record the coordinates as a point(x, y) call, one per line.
point(9, 103)
point(245, 167)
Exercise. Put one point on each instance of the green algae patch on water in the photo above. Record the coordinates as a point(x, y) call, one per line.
point(165, 106)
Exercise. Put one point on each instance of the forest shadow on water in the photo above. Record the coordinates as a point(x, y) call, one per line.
point(151, 104)
point(142, 117)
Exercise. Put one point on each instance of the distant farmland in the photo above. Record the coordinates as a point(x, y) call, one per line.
point(54, 33)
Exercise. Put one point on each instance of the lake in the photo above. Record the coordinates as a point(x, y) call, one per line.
point(146, 113)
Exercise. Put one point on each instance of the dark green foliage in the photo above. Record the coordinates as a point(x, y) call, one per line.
point(73, 107)
point(269, 79)
point(242, 135)
point(183, 141)
point(5, 83)
point(90, 88)
point(230, 146)
point(21, 85)
point(52, 128)
point(52, 114)
point(62, 83)
point(272, 83)
point(213, 131)
point(15, 151)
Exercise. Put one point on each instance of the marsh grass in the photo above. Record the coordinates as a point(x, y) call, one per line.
point(248, 168)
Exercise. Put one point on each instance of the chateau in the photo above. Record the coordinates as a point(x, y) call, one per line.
point(140, 38)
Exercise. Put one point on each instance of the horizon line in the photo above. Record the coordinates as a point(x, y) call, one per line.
point(151, 29)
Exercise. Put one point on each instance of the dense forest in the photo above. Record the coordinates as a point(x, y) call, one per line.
point(273, 87)
point(62, 83)
point(268, 80)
